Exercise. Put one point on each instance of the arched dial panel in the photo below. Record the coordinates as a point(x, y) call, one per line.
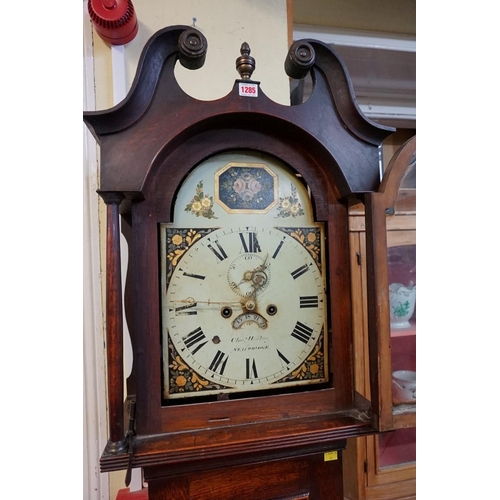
point(243, 281)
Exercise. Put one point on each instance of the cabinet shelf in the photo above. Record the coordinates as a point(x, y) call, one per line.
point(404, 408)
point(404, 332)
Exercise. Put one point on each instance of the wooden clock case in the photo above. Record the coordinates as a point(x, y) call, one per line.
point(148, 144)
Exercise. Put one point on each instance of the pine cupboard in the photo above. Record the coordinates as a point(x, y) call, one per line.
point(383, 466)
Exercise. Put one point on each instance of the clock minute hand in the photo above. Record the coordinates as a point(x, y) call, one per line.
point(247, 304)
point(191, 300)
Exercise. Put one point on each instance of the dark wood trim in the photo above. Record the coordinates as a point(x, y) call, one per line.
point(114, 326)
point(340, 304)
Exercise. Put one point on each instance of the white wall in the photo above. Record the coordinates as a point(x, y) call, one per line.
point(108, 74)
point(226, 24)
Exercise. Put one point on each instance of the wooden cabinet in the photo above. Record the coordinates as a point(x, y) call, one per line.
point(383, 466)
point(298, 478)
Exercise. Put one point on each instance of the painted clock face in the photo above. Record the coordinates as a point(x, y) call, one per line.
point(243, 285)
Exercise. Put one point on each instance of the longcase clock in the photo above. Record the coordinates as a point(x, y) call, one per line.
point(237, 292)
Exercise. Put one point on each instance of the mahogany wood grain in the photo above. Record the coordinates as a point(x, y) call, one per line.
point(326, 482)
point(114, 323)
point(170, 488)
point(274, 479)
point(147, 353)
point(253, 409)
point(340, 303)
point(232, 444)
point(310, 477)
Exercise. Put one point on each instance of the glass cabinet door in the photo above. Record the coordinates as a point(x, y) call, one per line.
point(401, 261)
point(383, 242)
point(391, 291)
point(402, 279)
point(397, 448)
point(394, 449)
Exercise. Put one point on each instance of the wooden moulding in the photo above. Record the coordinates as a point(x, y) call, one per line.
point(246, 443)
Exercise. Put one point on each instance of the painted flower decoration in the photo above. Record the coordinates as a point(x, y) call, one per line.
point(290, 206)
point(246, 186)
point(310, 241)
point(177, 239)
point(239, 185)
point(202, 204)
point(254, 186)
point(183, 378)
point(178, 243)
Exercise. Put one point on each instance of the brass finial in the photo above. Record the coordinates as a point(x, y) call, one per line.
point(245, 64)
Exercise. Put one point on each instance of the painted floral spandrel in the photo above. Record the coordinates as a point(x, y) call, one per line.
point(202, 204)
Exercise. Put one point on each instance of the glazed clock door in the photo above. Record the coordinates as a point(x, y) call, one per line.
point(242, 282)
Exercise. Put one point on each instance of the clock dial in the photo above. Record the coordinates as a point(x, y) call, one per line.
point(244, 308)
point(243, 284)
